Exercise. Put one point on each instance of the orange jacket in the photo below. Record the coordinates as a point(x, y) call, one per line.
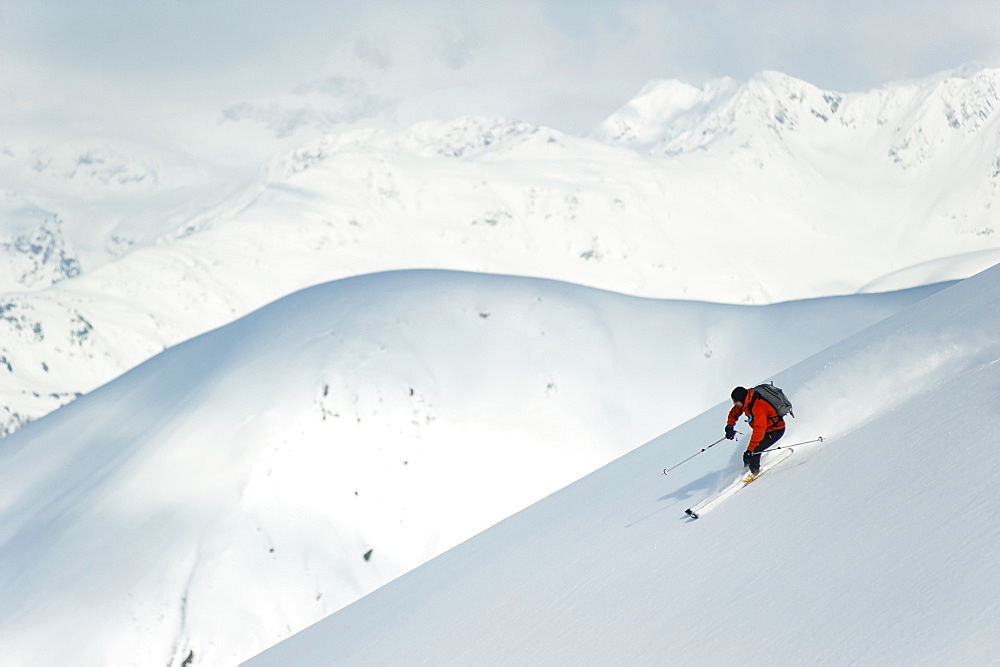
point(761, 416)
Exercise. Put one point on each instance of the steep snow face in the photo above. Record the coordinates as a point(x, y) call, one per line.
point(877, 546)
point(242, 485)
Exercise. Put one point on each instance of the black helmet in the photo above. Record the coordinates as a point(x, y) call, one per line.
point(739, 394)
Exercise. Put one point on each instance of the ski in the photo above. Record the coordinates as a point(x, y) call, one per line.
point(744, 479)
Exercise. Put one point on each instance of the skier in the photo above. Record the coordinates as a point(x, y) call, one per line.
point(765, 422)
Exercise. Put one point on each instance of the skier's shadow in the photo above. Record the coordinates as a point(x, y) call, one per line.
point(699, 488)
point(709, 484)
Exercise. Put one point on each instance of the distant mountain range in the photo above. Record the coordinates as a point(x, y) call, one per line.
point(752, 192)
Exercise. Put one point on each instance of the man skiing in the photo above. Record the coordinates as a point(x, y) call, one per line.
point(764, 420)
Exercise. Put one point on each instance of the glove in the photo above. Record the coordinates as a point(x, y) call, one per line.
point(747, 456)
point(730, 432)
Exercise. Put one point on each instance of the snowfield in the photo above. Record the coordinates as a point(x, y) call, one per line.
point(878, 546)
point(223, 494)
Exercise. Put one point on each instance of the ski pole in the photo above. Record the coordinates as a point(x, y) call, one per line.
point(704, 449)
point(797, 444)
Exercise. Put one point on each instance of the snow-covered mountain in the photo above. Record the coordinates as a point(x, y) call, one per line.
point(918, 161)
point(758, 192)
point(241, 485)
point(336, 437)
point(878, 546)
point(110, 195)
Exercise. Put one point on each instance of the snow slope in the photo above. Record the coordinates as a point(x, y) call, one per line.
point(878, 546)
point(224, 494)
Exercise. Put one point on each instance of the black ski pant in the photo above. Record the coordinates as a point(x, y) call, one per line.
point(769, 439)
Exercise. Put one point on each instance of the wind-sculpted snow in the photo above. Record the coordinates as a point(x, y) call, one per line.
point(877, 546)
point(240, 486)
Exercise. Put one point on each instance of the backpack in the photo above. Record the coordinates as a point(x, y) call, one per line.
point(775, 397)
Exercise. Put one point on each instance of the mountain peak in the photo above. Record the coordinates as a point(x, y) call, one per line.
point(661, 108)
point(670, 117)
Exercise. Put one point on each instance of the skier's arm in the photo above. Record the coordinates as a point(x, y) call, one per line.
point(734, 414)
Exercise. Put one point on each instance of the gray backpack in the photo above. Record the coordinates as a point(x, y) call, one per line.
point(775, 397)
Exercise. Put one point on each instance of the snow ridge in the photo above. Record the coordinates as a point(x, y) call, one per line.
point(670, 118)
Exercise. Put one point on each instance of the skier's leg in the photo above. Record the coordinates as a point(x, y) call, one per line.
point(769, 439)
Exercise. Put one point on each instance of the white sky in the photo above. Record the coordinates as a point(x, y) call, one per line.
point(295, 67)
